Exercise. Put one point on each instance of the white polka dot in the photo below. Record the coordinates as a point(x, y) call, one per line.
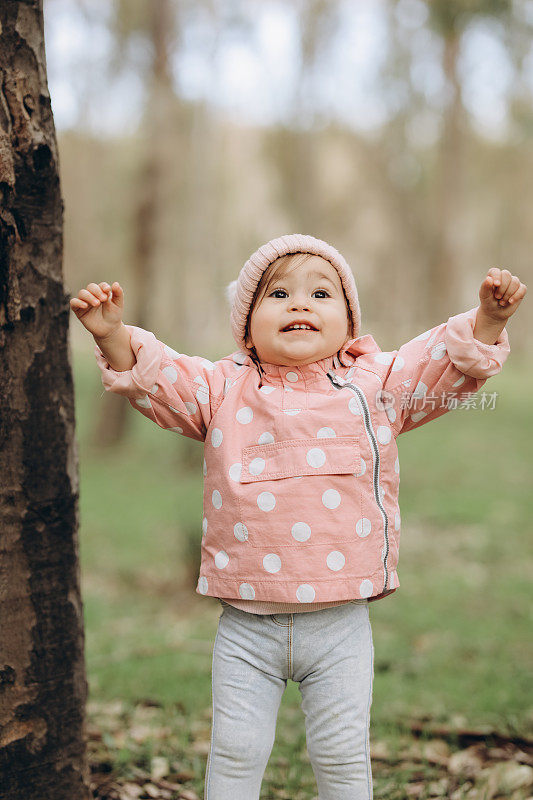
point(266, 438)
point(204, 526)
point(177, 429)
point(244, 415)
point(366, 588)
point(170, 373)
point(419, 415)
point(240, 531)
point(363, 469)
point(256, 466)
point(397, 521)
point(144, 402)
point(202, 395)
point(292, 411)
point(301, 531)
point(438, 351)
point(291, 376)
point(170, 352)
point(154, 388)
point(216, 437)
point(424, 335)
point(305, 593)
point(315, 457)
point(350, 373)
point(246, 591)
point(326, 433)
point(420, 390)
point(459, 381)
point(208, 364)
point(382, 493)
point(235, 471)
point(363, 527)
point(216, 499)
point(335, 560)
point(267, 389)
point(391, 414)
point(384, 358)
point(239, 358)
point(397, 465)
point(192, 408)
point(202, 585)
point(399, 363)
point(288, 389)
point(384, 434)
point(205, 468)
point(353, 405)
point(221, 559)
point(272, 562)
point(266, 501)
point(331, 498)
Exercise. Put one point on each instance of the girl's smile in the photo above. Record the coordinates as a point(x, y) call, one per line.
point(301, 317)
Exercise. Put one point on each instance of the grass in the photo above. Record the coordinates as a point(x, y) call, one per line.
point(453, 644)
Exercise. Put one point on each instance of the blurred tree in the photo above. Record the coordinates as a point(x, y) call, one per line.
point(42, 671)
point(449, 18)
point(294, 148)
point(155, 23)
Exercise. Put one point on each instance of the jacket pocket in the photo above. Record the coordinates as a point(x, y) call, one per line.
point(297, 457)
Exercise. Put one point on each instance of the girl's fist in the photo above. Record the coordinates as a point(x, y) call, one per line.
point(99, 308)
point(501, 293)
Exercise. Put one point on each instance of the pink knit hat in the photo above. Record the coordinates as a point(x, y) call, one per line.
point(241, 291)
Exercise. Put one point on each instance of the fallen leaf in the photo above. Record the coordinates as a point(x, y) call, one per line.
point(188, 794)
point(465, 762)
point(151, 790)
point(436, 751)
point(159, 767)
point(439, 788)
point(506, 777)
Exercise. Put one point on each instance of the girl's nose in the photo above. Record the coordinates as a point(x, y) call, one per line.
point(299, 304)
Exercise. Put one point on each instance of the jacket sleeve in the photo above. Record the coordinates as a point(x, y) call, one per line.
point(439, 369)
point(176, 391)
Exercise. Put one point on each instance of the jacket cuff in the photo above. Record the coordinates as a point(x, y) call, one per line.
point(141, 378)
point(470, 356)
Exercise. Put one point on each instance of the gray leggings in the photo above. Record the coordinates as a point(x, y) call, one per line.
point(331, 655)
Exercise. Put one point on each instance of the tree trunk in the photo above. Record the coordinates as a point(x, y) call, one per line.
point(43, 687)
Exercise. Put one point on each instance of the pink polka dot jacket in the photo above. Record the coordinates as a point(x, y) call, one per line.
point(301, 470)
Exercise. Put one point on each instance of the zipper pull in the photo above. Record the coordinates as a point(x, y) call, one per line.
point(335, 378)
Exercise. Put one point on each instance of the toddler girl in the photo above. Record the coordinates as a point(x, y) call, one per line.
point(301, 524)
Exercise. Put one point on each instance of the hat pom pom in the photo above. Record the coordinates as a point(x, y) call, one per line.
point(231, 291)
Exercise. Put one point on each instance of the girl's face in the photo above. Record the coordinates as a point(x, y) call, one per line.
point(310, 294)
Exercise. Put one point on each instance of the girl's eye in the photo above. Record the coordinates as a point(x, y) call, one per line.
point(276, 292)
point(321, 292)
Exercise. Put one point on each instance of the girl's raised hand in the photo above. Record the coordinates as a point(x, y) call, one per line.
point(99, 308)
point(501, 293)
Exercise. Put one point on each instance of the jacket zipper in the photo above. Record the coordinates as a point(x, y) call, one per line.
point(339, 383)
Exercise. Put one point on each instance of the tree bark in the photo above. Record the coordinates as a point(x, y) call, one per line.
point(43, 687)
